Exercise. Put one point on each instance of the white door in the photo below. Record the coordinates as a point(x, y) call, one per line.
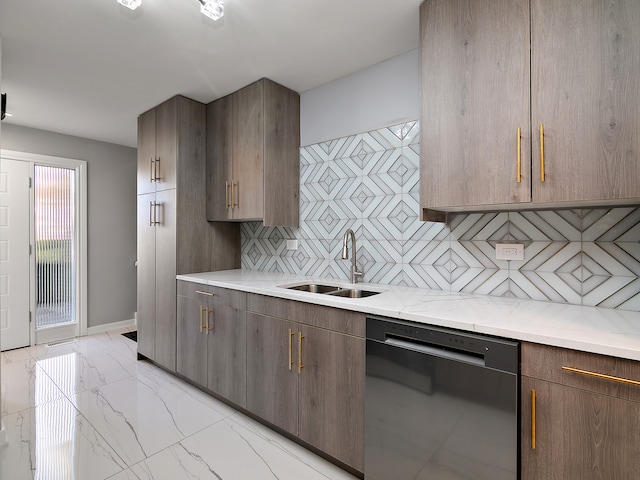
point(14, 253)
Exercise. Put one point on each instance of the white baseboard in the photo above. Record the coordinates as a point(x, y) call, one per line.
point(111, 326)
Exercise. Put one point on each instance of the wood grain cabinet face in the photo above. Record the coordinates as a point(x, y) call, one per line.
point(484, 62)
point(307, 380)
point(174, 236)
point(475, 96)
point(253, 143)
point(584, 427)
point(211, 340)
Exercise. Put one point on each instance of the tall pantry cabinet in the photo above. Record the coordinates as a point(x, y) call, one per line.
point(174, 236)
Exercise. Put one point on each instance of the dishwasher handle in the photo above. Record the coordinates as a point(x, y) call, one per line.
point(435, 351)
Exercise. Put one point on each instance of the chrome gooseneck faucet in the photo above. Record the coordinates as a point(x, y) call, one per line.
point(355, 274)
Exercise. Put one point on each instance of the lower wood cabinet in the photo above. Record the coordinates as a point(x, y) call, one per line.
point(306, 379)
point(211, 339)
point(576, 426)
point(297, 366)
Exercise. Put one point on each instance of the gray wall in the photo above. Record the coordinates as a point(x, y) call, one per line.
point(111, 192)
point(379, 96)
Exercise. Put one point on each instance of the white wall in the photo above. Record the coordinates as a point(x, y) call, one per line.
point(384, 94)
point(111, 192)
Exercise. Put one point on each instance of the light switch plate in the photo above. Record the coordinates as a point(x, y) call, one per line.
point(509, 251)
point(292, 244)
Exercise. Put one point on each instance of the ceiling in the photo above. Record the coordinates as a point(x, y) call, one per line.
point(89, 67)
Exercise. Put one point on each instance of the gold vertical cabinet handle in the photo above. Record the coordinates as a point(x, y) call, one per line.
point(291, 362)
point(300, 365)
point(602, 376)
point(533, 419)
point(519, 177)
point(201, 322)
point(227, 204)
point(155, 213)
point(157, 169)
point(151, 175)
point(541, 152)
point(208, 327)
point(150, 214)
point(234, 203)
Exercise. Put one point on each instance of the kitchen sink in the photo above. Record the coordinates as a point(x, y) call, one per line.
point(333, 290)
point(315, 288)
point(353, 293)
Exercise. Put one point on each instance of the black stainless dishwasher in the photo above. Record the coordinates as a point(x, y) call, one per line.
point(439, 404)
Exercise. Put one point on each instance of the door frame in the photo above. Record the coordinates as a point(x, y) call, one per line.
point(52, 334)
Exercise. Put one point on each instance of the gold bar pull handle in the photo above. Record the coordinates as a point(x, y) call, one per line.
point(602, 376)
point(300, 365)
point(157, 169)
point(151, 210)
point(208, 327)
point(291, 362)
point(541, 152)
point(209, 294)
point(201, 318)
point(533, 419)
point(235, 198)
point(519, 176)
point(152, 177)
point(227, 203)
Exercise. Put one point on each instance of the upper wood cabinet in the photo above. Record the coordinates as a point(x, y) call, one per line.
point(157, 147)
point(253, 157)
point(494, 71)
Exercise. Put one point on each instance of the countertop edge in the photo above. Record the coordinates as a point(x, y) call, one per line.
point(590, 329)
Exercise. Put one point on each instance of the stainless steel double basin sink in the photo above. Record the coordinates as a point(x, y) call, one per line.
point(333, 290)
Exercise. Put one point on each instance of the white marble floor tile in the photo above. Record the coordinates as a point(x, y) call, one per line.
point(81, 344)
point(25, 385)
point(140, 416)
point(237, 448)
point(16, 355)
point(82, 370)
point(124, 419)
point(126, 475)
point(54, 442)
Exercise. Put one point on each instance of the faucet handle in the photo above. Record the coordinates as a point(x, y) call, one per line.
point(355, 274)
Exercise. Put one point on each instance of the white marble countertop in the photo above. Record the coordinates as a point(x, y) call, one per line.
point(590, 329)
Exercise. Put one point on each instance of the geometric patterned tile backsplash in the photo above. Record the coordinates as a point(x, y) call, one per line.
point(369, 182)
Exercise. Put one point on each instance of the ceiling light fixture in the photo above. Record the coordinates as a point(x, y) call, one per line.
point(214, 9)
point(132, 4)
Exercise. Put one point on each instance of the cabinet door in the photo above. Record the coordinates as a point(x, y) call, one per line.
point(272, 381)
point(166, 279)
point(146, 277)
point(219, 161)
point(248, 152)
point(585, 91)
point(166, 144)
point(191, 344)
point(579, 434)
point(331, 388)
point(227, 353)
point(475, 96)
point(146, 152)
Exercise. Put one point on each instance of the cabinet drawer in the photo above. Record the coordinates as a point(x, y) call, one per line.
point(211, 294)
point(546, 363)
point(336, 319)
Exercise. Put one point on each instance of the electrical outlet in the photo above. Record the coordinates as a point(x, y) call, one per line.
point(509, 251)
point(292, 244)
